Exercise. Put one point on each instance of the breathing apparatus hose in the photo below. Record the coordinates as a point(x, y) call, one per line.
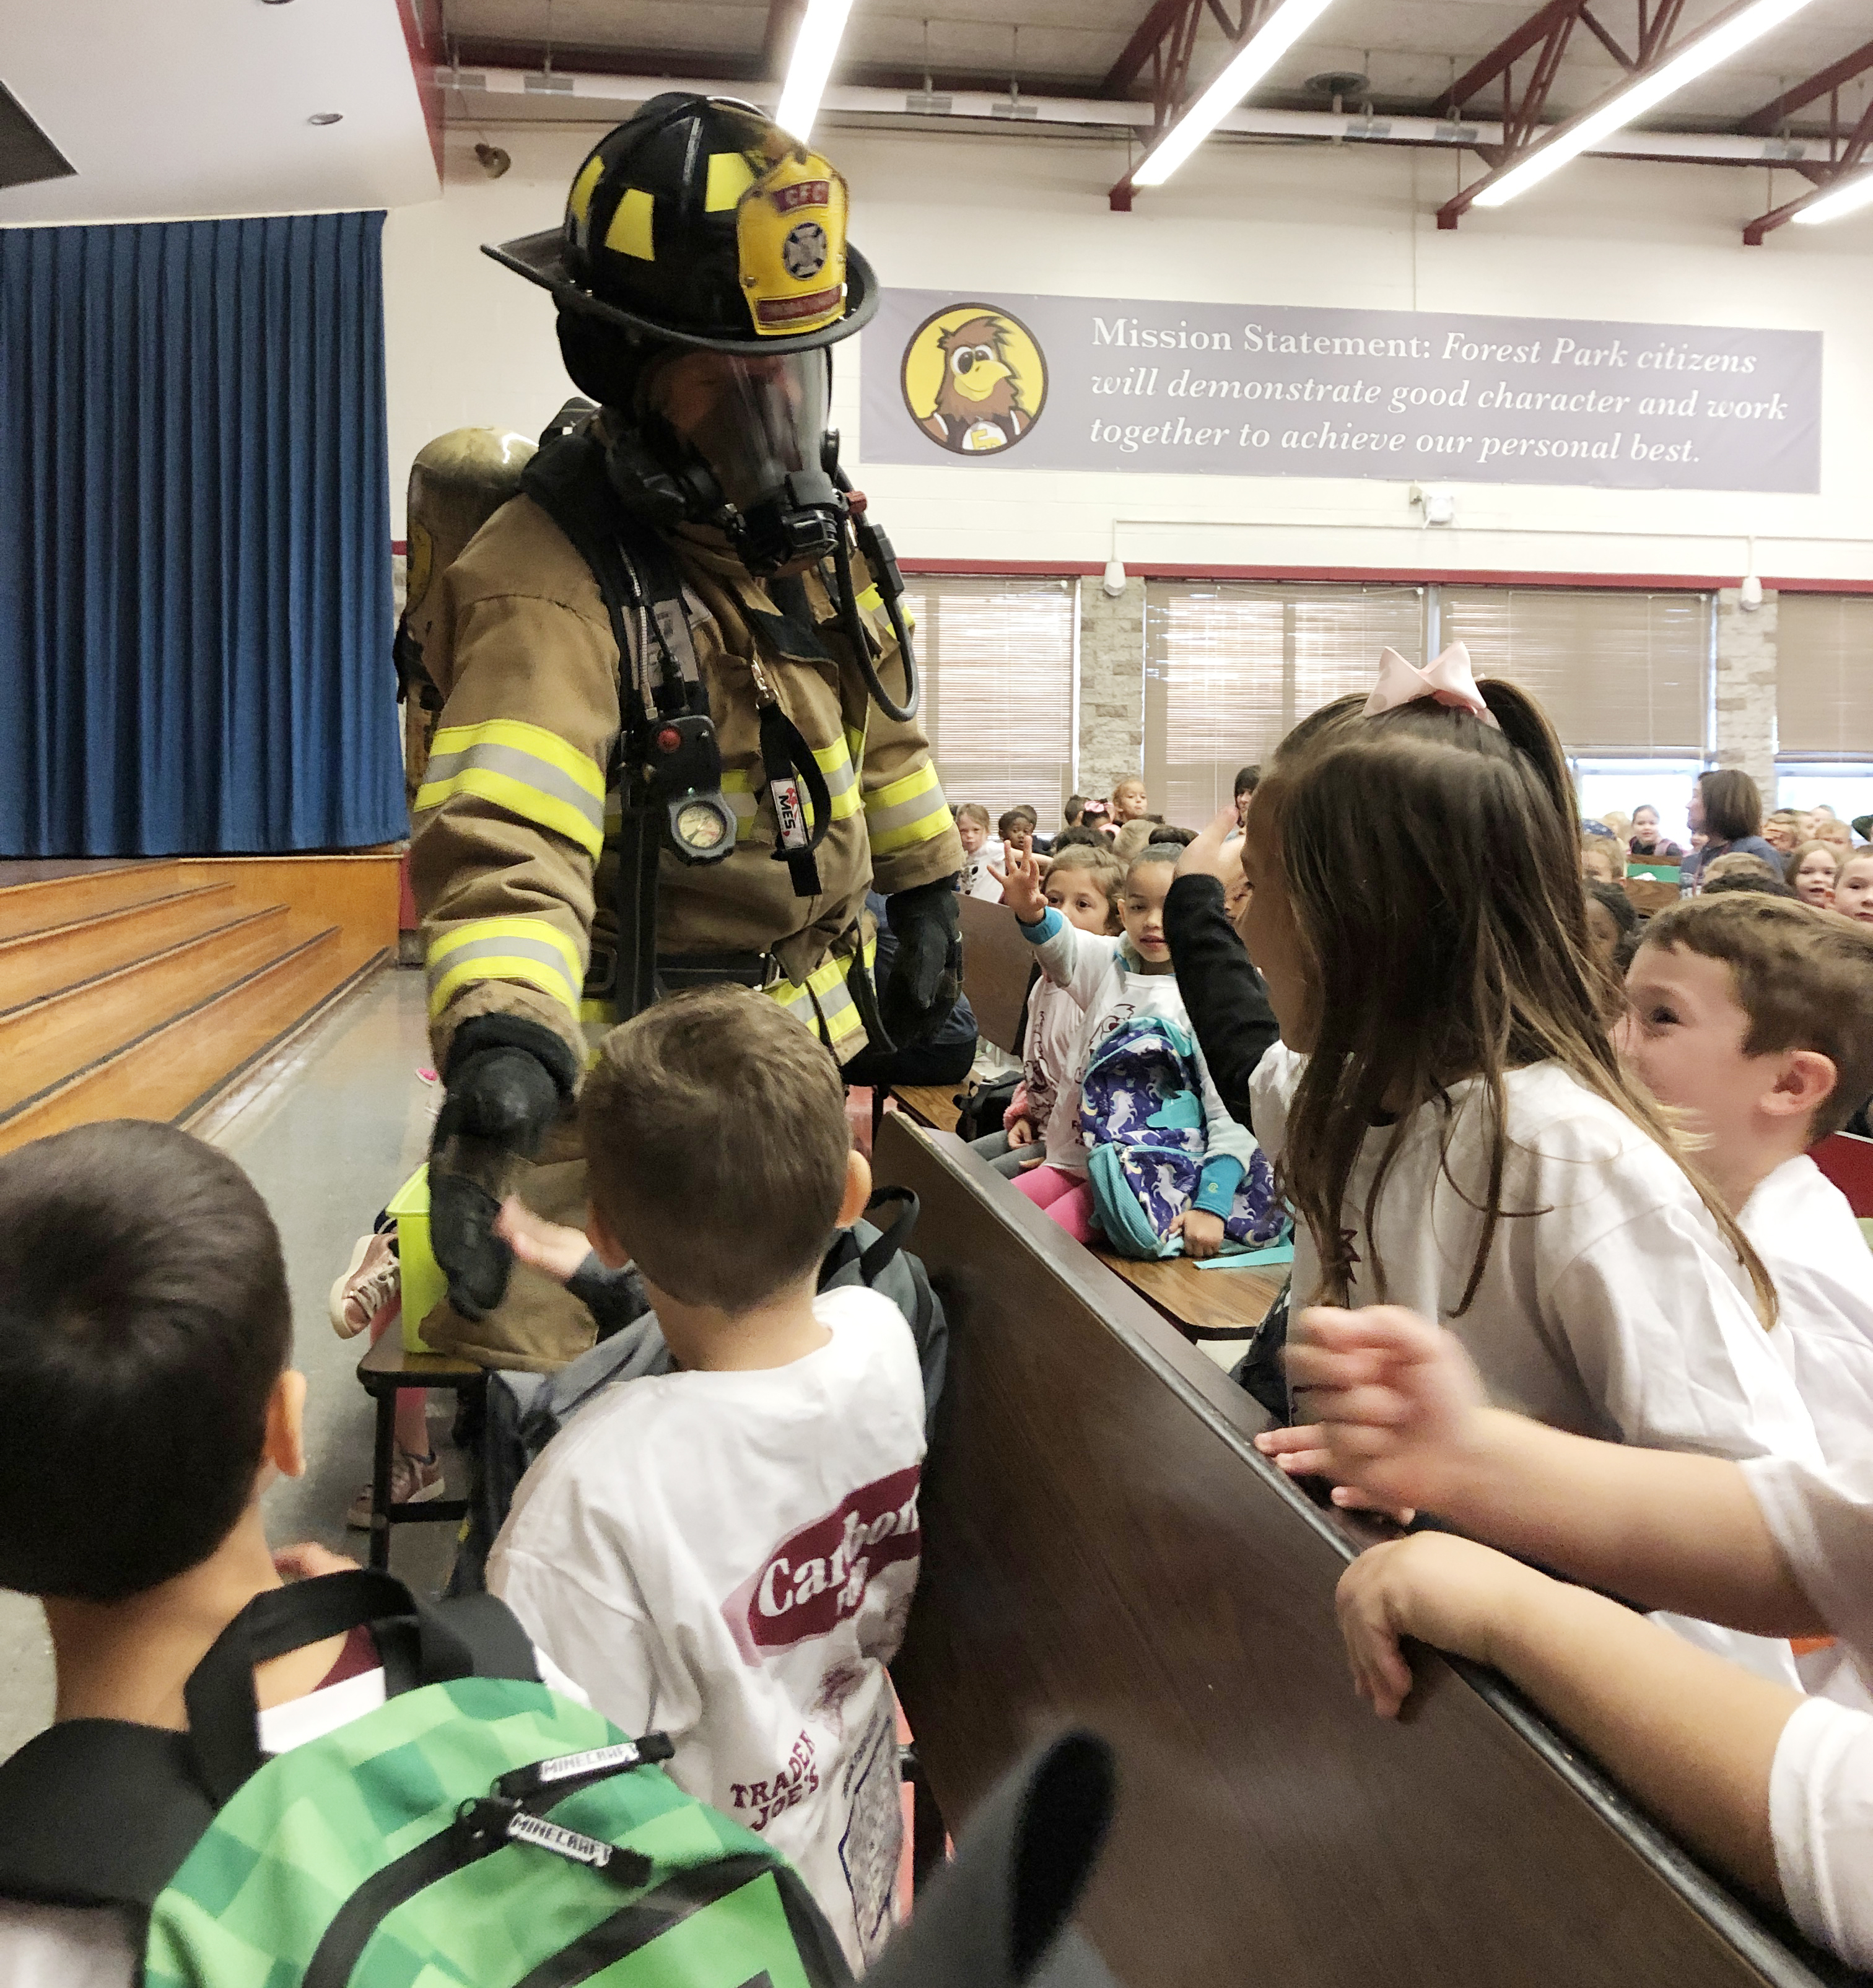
point(860, 641)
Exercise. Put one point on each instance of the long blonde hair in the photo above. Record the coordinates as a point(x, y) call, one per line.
point(1431, 863)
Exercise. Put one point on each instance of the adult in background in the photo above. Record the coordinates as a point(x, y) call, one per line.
point(1726, 807)
point(1247, 780)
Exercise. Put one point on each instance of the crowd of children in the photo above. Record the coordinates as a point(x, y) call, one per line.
point(1564, 1276)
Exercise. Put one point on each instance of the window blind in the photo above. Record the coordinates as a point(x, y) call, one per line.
point(997, 657)
point(1618, 671)
point(1230, 667)
point(1823, 652)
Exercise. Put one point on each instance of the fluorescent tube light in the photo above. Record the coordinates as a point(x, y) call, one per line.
point(814, 48)
point(1735, 29)
point(1847, 198)
point(1270, 42)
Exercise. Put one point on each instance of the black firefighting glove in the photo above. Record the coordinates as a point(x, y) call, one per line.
point(507, 1080)
point(925, 981)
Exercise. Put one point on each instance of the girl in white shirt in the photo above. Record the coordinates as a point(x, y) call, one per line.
point(1447, 1117)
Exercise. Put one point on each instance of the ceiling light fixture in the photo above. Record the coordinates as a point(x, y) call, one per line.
point(1271, 41)
point(326, 118)
point(814, 48)
point(1733, 30)
point(1845, 199)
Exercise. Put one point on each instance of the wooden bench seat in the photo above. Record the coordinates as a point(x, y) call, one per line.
point(1104, 1547)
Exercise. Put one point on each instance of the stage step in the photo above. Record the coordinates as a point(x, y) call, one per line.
point(28, 907)
point(163, 1073)
point(35, 964)
point(43, 1043)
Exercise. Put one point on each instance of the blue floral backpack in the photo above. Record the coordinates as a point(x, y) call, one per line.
point(1141, 1113)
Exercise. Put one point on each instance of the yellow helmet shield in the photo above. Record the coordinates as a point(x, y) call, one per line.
point(790, 240)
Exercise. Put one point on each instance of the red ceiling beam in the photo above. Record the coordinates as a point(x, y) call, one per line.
point(1159, 51)
point(1769, 120)
point(1544, 36)
point(1843, 157)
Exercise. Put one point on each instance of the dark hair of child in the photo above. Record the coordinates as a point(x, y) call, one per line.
point(1182, 837)
point(1080, 838)
point(1431, 862)
point(144, 1323)
point(1247, 780)
point(1744, 880)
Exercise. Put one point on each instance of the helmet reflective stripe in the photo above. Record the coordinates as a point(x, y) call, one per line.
point(630, 233)
point(730, 176)
point(579, 201)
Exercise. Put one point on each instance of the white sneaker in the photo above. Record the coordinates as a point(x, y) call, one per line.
point(370, 1289)
point(414, 1480)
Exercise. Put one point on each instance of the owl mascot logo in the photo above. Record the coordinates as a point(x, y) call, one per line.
point(974, 379)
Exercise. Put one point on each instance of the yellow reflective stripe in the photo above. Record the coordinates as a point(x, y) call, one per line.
point(898, 792)
point(605, 1012)
point(828, 984)
point(545, 810)
point(529, 772)
point(835, 762)
point(535, 740)
point(579, 201)
point(926, 828)
point(630, 233)
point(531, 950)
point(730, 176)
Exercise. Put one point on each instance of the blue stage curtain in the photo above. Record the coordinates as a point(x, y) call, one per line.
point(196, 539)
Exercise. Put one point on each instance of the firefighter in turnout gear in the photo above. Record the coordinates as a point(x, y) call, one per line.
point(678, 742)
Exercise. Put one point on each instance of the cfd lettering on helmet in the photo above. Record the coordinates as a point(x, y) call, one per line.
point(818, 1576)
point(803, 193)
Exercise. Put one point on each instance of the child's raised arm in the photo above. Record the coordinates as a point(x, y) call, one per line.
point(1397, 1412)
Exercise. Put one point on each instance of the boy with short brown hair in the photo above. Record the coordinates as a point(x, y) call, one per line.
point(1753, 1015)
point(727, 1553)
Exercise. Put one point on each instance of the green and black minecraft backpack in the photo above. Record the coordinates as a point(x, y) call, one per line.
point(477, 1829)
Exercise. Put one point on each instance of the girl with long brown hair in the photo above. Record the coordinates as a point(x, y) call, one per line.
point(1445, 1111)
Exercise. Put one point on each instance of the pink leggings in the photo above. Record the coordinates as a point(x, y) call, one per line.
point(1066, 1197)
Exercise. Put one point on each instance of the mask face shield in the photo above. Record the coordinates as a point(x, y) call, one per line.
point(759, 425)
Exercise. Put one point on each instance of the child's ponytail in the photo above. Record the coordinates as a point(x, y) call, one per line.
point(1525, 725)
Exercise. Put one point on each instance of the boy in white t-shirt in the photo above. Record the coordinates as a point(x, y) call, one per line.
point(727, 1554)
point(1753, 1016)
point(1773, 1788)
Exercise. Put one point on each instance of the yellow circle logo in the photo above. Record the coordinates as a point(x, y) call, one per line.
point(974, 379)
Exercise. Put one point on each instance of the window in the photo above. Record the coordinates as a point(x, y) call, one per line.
point(1604, 786)
point(1824, 716)
point(998, 657)
point(1230, 667)
point(1621, 674)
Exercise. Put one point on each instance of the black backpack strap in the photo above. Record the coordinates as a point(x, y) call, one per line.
point(498, 1645)
point(892, 1238)
point(98, 1812)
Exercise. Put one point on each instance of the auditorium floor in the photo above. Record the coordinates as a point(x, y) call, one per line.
point(327, 1143)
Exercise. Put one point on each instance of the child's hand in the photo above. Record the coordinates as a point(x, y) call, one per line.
point(1021, 887)
point(1445, 1591)
point(1021, 1133)
point(1202, 1232)
point(1396, 1406)
point(547, 1246)
point(1207, 857)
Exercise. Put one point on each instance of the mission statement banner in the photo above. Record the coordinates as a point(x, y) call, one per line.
point(1236, 390)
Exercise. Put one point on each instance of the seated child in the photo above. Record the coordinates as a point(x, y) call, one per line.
point(1774, 1789)
point(1753, 1016)
point(1853, 884)
point(1113, 980)
point(981, 850)
point(1083, 885)
point(727, 1554)
point(144, 1319)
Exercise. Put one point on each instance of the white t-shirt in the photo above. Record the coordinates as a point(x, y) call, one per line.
point(729, 1558)
point(1613, 1307)
point(1101, 976)
point(1806, 1234)
point(1054, 1021)
point(976, 881)
point(1820, 1787)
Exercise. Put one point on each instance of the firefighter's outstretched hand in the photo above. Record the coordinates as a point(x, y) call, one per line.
point(925, 982)
point(1023, 885)
point(501, 1100)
